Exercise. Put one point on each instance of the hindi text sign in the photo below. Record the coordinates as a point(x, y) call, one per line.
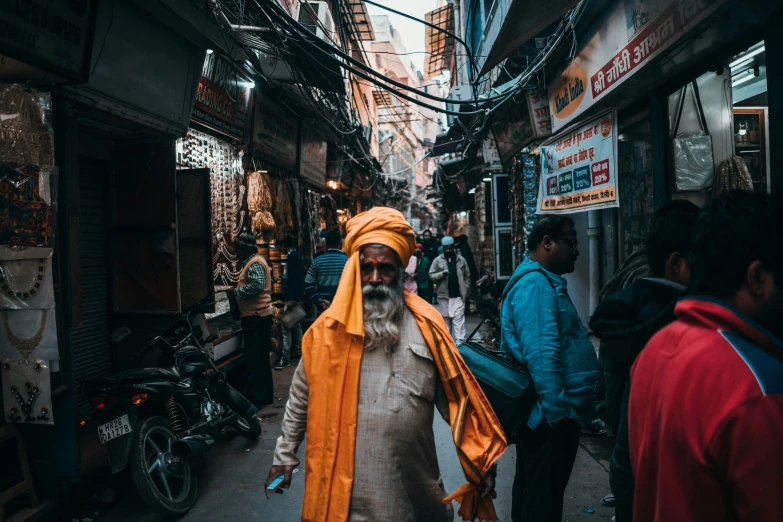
point(540, 116)
point(609, 58)
point(578, 169)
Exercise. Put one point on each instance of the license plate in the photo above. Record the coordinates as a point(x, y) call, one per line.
point(113, 429)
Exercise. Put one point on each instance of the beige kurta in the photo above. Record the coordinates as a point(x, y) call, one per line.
point(396, 475)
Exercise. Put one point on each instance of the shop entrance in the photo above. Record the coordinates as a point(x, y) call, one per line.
point(91, 355)
point(720, 129)
point(751, 113)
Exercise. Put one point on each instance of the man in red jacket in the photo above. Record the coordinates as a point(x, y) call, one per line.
point(706, 406)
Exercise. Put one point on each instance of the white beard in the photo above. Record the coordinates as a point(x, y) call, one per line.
point(383, 308)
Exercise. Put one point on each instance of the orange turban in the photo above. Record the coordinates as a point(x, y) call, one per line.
point(378, 226)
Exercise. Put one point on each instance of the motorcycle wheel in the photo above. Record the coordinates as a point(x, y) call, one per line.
point(168, 491)
point(250, 428)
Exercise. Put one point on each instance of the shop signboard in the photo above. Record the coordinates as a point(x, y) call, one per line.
point(491, 155)
point(633, 33)
point(312, 160)
point(275, 133)
point(56, 36)
point(222, 98)
point(579, 168)
point(540, 115)
point(512, 130)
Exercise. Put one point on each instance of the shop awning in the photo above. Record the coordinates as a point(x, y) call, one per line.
point(522, 22)
point(439, 46)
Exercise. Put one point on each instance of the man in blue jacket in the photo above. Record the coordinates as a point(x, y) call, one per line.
point(542, 329)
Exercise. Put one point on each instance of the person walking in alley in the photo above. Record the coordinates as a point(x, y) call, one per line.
point(705, 417)
point(374, 367)
point(465, 251)
point(626, 320)
point(324, 273)
point(293, 293)
point(450, 271)
point(423, 277)
point(411, 273)
point(542, 330)
point(430, 244)
point(254, 297)
point(633, 268)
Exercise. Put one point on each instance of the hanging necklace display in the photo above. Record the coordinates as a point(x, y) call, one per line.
point(27, 391)
point(227, 197)
point(226, 275)
point(224, 250)
point(26, 293)
point(26, 346)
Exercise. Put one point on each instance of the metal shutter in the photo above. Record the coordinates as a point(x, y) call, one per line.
point(91, 343)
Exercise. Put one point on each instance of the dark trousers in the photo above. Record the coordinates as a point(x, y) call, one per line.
point(620, 475)
point(257, 333)
point(545, 458)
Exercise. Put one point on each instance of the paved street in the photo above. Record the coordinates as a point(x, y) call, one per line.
point(233, 475)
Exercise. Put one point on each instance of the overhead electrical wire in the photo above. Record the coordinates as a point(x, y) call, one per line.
point(329, 53)
point(520, 82)
point(294, 40)
point(428, 24)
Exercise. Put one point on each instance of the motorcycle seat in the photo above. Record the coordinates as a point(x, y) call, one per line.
point(141, 374)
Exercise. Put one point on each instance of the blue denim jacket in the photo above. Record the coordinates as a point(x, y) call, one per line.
point(542, 330)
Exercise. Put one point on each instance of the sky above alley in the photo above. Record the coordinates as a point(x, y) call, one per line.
point(412, 32)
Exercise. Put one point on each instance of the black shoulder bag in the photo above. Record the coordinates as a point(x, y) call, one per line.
point(505, 381)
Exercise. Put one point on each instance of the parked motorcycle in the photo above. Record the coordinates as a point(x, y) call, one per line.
point(162, 417)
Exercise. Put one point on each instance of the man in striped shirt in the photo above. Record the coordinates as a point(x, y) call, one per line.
point(324, 274)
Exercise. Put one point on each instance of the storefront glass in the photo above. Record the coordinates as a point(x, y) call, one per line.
point(751, 109)
point(636, 187)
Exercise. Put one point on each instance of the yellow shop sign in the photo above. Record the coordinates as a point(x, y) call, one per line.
point(569, 93)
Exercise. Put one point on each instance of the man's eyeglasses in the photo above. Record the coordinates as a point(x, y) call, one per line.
point(573, 244)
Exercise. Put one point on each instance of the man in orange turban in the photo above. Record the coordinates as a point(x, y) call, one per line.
point(374, 367)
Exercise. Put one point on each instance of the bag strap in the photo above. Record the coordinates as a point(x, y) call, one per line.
point(678, 114)
point(506, 290)
point(699, 108)
point(513, 282)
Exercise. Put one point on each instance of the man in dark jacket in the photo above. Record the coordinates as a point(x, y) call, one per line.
point(626, 320)
point(431, 245)
point(293, 293)
point(467, 253)
point(634, 268)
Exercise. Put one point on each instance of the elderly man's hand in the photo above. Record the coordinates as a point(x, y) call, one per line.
point(276, 471)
